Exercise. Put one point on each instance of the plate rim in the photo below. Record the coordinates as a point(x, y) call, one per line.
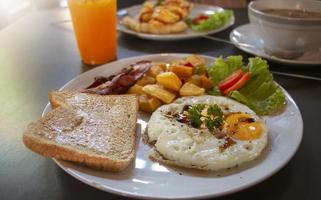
point(170, 37)
point(266, 56)
point(125, 193)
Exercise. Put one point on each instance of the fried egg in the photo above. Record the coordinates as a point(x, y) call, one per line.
point(245, 135)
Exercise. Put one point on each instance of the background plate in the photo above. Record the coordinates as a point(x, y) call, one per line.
point(147, 179)
point(188, 34)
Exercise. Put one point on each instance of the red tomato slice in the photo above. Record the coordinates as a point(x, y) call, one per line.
point(199, 19)
point(240, 83)
point(203, 17)
point(188, 64)
point(230, 80)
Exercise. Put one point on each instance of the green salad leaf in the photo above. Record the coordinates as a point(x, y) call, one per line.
point(262, 107)
point(260, 93)
point(214, 21)
point(222, 68)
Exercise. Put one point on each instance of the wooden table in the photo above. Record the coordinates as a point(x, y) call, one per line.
point(38, 53)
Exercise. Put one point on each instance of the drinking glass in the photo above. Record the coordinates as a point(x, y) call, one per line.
point(94, 23)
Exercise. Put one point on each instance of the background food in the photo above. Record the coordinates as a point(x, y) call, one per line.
point(160, 17)
point(210, 22)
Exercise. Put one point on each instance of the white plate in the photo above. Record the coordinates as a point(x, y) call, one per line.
point(188, 34)
point(247, 34)
point(147, 179)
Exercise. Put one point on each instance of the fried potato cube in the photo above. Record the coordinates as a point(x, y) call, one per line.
point(206, 82)
point(189, 89)
point(163, 66)
point(154, 70)
point(160, 93)
point(136, 89)
point(195, 60)
point(148, 104)
point(145, 80)
point(195, 79)
point(143, 103)
point(169, 80)
point(182, 71)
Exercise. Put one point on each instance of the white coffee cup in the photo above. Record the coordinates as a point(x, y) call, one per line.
point(287, 34)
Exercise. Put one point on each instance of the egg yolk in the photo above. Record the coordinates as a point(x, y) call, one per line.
point(241, 127)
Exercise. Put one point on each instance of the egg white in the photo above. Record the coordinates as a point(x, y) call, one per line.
point(198, 148)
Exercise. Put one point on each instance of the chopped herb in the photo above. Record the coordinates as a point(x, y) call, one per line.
point(213, 119)
point(215, 110)
point(213, 123)
point(194, 114)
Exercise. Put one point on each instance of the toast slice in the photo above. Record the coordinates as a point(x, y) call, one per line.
point(95, 130)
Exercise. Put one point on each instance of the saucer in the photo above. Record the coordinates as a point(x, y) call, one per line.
point(246, 38)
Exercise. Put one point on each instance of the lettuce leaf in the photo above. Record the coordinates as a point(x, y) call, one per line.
point(222, 68)
point(260, 93)
point(214, 21)
point(267, 106)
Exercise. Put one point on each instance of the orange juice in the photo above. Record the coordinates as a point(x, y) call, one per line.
point(94, 23)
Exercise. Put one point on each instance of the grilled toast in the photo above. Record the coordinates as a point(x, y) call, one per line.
point(94, 130)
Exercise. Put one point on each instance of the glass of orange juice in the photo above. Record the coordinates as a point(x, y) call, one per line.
point(94, 23)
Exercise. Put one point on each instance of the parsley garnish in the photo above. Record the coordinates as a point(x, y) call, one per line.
point(215, 110)
point(194, 114)
point(213, 123)
point(213, 119)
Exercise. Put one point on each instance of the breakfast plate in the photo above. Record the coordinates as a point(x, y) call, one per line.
point(247, 34)
point(146, 179)
point(188, 34)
